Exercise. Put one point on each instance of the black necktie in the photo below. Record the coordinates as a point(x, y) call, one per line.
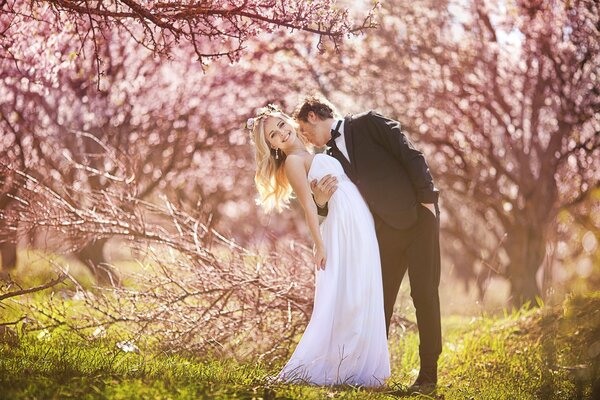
point(335, 133)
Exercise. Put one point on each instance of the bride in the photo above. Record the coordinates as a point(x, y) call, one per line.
point(345, 341)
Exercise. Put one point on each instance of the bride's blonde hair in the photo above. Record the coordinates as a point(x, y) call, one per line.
point(274, 189)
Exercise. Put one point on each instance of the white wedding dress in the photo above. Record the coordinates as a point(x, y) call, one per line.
point(345, 341)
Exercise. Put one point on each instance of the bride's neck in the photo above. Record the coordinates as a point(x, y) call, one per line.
point(297, 148)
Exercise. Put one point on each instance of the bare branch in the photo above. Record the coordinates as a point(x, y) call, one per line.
point(46, 285)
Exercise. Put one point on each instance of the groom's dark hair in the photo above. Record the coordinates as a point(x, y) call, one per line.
point(317, 104)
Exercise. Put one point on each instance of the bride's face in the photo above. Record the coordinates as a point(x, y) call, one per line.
point(278, 133)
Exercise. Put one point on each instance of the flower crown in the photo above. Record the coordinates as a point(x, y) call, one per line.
point(262, 112)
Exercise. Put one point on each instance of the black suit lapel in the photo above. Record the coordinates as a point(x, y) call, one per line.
point(349, 138)
point(337, 154)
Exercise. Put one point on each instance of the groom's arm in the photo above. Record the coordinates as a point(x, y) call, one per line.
point(388, 133)
point(322, 210)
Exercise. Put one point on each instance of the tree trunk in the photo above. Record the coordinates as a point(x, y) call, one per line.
point(526, 249)
point(8, 237)
point(92, 255)
point(8, 253)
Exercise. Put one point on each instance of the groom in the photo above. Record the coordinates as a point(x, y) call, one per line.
point(394, 179)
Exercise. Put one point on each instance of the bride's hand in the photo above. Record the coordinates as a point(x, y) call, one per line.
point(320, 256)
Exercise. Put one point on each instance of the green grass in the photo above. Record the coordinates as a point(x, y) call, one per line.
point(549, 353)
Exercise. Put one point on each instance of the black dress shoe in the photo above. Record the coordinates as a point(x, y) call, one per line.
point(422, 388)
point(425, 384)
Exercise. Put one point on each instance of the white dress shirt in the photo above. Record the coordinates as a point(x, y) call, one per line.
point(340, 141)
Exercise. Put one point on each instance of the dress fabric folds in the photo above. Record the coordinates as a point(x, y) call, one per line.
point(345, 341)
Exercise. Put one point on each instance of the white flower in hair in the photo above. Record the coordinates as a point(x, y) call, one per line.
point(250, 123)
point(261, 112)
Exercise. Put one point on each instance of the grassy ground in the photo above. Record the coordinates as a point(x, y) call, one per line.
point(552, 353)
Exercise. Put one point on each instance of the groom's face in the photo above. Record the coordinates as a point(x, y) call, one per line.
point(315, 130)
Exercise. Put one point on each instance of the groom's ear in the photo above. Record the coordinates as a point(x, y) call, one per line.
point(311, 117)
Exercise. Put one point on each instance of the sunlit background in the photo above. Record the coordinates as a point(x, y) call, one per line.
point(126, 165)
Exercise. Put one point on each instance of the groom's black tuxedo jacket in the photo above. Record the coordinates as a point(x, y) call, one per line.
point(390, 173)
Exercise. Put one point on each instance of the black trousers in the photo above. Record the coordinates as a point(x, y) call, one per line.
point(416, 249)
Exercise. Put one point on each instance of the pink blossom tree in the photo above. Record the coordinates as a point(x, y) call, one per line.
point(505, 99)
point(92, 103)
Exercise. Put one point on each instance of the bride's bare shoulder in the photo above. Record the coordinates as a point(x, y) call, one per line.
point(298, 162)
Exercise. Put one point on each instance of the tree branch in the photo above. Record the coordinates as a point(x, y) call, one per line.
point(47, 285)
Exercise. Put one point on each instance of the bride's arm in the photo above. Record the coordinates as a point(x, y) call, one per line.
point(296, 174)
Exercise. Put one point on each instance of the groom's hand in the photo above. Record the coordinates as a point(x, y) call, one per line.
point(323, 189)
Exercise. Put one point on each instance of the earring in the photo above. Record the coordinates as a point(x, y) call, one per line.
point(277, 154)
